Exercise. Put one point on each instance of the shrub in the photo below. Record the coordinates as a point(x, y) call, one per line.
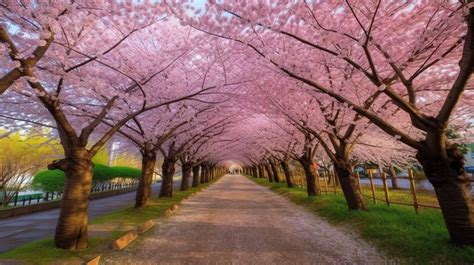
point(49, 180)
point(53, 180)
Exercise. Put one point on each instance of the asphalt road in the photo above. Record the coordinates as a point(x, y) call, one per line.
point(23, 229)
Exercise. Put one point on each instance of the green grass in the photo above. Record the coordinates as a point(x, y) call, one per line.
point(401, 195)
point(111, 227)
point(397, 230)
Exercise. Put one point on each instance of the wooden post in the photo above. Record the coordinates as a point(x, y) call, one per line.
point(358, 181)
point(372, 186)
point(333, 175)
point(385, 188)
point(325, 183)
point(413, 190)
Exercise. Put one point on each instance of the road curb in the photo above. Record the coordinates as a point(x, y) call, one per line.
point(125, 240)
point(94, 261)
point(146, 226)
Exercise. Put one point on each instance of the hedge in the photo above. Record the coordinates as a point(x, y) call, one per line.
point(53, 180)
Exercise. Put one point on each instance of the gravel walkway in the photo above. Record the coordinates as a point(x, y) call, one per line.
point(236, 221)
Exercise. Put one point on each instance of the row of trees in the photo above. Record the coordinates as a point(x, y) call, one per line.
point(92, 71)
point(397, 69)
point(332, 81)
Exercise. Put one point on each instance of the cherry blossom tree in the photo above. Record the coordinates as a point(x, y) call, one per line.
point(417, 55)
point(81, 84)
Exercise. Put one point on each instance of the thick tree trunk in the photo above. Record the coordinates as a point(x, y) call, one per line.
point(254, 172)
point(393, 178)
point(186, 171)
point(71, 229)
point(269, 172)
point(312, 182)
point(349, 186)
point(167, 169)
point(143, 194)
point(196, 179)
point(276, 176)
point(288, 174)
point(453, 190)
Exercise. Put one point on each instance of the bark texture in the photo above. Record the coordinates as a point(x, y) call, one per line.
point(349, 186)
point(393, 178)
point(312, 183)
point(186, 174)
point(167, 169)
point(288, 174)
point(143, 194)
point(196, 176)
point(254, 171)
point(274, 167)
point(71, 230)
point(269, 172)
point(261, 171)
point(453, 190)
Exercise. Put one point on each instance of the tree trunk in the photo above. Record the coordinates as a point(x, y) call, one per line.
point(349, 186)
point(453, 190)
point(143, 194)
point(203, 173)
point(196, 179)
point(6, 199)
point(168, 172)
point(312, 183)
point(186, 171)
point(276, 176)
point(71, 229)
point(269, 172)
point(211, 173)
point(393, 178)
point(254, 172)
point(288, 174)
point(261, 172)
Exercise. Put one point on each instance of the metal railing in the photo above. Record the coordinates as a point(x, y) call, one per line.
point(24, 200)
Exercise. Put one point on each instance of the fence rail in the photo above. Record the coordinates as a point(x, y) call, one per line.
point(24, 200)
point(413, 196)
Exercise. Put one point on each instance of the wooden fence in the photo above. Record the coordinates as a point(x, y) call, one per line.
point(408, 197)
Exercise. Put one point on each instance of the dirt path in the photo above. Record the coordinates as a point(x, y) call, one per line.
point(236, 221)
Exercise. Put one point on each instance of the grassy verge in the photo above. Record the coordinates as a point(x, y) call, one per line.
point(397, 230)
point(102, 232)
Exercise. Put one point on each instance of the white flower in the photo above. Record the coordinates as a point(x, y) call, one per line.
point(382, 87)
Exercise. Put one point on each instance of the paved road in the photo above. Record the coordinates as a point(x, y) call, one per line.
point(236, 221)
point(23, 229)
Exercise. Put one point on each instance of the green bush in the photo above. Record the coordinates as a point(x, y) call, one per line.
point(49, 180)
point(53, 180)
